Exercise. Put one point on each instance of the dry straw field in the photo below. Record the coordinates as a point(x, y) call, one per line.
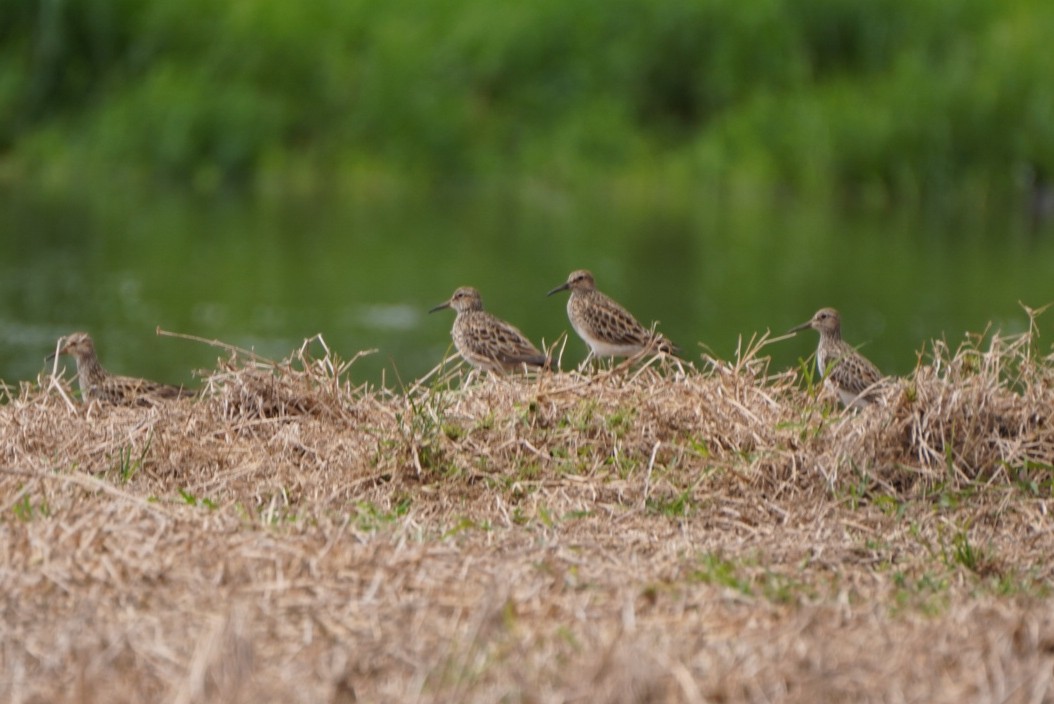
point(651, 533)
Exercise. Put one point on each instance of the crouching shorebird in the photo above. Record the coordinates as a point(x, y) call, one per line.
point(606, 327)
point(851, 375)
point(100, 385)
point(485, 341)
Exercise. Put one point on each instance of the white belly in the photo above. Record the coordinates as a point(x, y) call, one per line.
point(605, 349)
point(600, 348)
point(848, 398)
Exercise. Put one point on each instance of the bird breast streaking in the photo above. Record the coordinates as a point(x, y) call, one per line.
point(486, 341)
point(844, 370)
point(606, 327)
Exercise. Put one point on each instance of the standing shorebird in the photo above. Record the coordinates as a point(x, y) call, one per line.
point(100, 385)
point(851, 375)
point(608, 328)
point(485, 341)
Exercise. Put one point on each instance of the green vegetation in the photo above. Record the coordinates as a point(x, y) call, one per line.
point(130, 461)
point(25, 509)
point(895, 99)
point(191, 500)
point(369, 517)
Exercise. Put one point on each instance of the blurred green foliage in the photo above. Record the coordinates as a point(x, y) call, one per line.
point(883, 100)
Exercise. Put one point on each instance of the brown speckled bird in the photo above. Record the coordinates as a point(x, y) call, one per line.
point(485, 341)
point(100, 385)
point(606, 327)
point(844, 370)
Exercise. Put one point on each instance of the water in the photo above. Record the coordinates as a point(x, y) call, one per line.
point(363, 273)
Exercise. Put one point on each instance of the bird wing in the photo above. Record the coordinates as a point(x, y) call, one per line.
point(617, 326)
point(854, 373)
point(127, 390)
point(506, 344)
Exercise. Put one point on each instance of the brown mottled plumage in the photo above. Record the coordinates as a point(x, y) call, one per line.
point(606, 327)
point(485, 341)
point(98, 384)
point(851, 375)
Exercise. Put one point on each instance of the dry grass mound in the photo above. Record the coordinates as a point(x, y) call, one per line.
point(651, 532)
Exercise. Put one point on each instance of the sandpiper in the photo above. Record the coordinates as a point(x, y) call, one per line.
point(485, 341)
point(98, 384)
point(606, 327)
point(851, 375)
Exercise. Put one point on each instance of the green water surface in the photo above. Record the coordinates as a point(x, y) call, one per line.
point(363, 272)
